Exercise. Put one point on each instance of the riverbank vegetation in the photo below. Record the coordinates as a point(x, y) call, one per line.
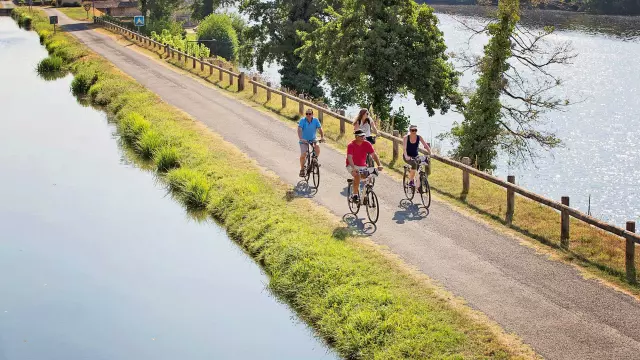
point(361, 301)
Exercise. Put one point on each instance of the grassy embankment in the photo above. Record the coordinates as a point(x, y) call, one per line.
point(78, 13)
point(596, 251)
point(363, 302)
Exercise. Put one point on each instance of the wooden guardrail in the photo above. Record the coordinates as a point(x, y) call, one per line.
point(170, 52)
point(566, 212)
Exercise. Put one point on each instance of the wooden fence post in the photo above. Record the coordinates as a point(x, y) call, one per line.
point(342, 126)
point(220, 75)
point(284, 101)
point(255, 87)
point(511, 200)
point(396, 146)
point(210, 70)
point(321, 116)
point(564, 224)
point(166, 50)
point(268, 90)
point(241, 81)
point(179, 56)
point(230, 76)
point(630, 254)
point(194, 62)
point(300, 109)
point(465, 179)
point(201, 63)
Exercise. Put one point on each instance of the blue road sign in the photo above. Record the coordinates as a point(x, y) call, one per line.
point(138, 20)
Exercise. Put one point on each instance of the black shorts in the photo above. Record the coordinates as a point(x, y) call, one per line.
point(412, 162)
point(371, 139)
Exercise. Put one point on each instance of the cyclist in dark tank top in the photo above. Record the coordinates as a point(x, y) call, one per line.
point(411, 143)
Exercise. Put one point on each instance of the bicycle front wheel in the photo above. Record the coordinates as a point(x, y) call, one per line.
point(308, 168)
point(425, 191)
point(315, 173)
point(409, 191)
point(373, 208)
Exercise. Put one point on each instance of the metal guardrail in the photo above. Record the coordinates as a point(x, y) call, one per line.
point(563, 207)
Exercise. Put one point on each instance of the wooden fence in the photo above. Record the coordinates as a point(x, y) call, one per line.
point(566, 212)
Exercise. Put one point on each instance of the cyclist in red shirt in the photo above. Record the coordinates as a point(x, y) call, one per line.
point(357, 151)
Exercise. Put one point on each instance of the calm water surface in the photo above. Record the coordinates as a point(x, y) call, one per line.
point(97, 261)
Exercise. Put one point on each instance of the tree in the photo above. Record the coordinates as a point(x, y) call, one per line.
point(245, 42)
point(369, 51)
point(200, 9)
point(161, 9)
point(513, 92)
point(219, 27)
point(275, 33)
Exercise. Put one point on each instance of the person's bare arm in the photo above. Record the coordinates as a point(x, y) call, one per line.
point(300, 134)
point(426, 146)
point(377, 160)
point(321, 134)
point(350, 160)
point(404, 147)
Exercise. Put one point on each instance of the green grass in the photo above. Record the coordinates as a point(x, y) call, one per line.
point(364, 303)
point(78, 13)
point(149, 143)
point(597, 251)
point(50, 64)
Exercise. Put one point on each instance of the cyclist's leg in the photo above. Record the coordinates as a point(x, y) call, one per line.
point(356, 179)
point(317, 148)
point(303, 157)
point(414, 167)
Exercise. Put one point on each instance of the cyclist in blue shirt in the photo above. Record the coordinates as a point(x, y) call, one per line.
point(307, 128)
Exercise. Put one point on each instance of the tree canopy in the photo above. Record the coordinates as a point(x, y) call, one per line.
point(369, 51)
point(219, 27)
point(275, 32)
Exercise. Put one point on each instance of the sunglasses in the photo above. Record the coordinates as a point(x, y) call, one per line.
point(309, 113)
point(414, 130)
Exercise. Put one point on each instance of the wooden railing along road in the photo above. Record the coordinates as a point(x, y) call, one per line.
point(566, 212)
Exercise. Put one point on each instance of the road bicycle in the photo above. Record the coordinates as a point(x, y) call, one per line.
point(312, 167)
point(423, 187)
point(370, 199)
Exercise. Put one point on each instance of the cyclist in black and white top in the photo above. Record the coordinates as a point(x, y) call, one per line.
point(411, 143)
point(365, 123)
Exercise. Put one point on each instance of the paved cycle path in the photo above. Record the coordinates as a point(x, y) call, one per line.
point(547, 303)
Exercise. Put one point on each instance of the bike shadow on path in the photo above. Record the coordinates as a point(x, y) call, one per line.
point(409, 212)
point(355, 227)
point(301, 190)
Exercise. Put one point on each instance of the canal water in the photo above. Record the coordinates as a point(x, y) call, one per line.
point(599, 165)
point(97, 261)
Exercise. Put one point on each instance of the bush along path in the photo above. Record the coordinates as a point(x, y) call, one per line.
point(549, 304)
point(363, 303)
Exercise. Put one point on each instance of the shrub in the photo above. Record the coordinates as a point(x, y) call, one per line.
point(192, 187)
point(83, 81)
point(25, 21)
point(149, 143)
point(132, 126)
point(44, 34)
point(219, 27)
point(167, 158)
point(50, 64)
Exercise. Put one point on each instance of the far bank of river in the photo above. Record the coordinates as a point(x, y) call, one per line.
point(601, 132)
point(97, 261)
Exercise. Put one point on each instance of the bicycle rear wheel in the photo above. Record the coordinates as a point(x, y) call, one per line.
point(425, 191)
point(409, 191)
point(354, 207)
point(373, 208)
point(315, 169)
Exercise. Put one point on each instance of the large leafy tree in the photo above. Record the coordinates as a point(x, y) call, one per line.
point(275, 30)
point(160, 10)
point(369, 51)
point(513, 92)
point(200, 9)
